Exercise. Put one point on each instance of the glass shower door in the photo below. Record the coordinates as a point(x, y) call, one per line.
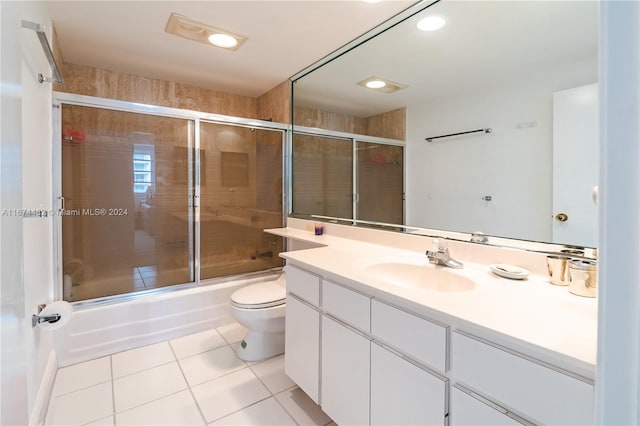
point(127, 224)
point(380, 182)
point(240, 196)
point(322, 175)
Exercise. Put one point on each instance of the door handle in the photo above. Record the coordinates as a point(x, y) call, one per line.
point(561, 217)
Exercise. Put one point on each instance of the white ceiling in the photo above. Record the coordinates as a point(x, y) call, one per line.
point(283, 38)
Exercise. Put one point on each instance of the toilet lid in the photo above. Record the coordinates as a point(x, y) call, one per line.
point(261, 295)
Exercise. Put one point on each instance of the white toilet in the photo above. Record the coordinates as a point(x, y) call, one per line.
point(260, 309)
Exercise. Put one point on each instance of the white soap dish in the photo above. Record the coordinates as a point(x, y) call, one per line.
point(509, 271)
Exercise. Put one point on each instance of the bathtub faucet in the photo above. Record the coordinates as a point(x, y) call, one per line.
point(263, 255)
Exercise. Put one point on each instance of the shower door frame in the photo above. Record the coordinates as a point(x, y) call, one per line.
point(195, 118)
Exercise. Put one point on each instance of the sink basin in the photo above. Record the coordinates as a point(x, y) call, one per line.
point(416, 273)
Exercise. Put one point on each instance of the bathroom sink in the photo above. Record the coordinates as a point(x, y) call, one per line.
point(416, 273)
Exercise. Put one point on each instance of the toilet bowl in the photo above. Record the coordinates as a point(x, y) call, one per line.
point(260, 309)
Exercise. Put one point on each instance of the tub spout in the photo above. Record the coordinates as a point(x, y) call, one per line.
point(263, 255)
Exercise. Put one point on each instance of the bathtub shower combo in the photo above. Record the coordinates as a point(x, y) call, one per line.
point(153, 199)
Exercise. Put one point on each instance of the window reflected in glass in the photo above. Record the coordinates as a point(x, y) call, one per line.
point(127, 226)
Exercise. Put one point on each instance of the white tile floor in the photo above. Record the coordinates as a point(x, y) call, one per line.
point(193, 380)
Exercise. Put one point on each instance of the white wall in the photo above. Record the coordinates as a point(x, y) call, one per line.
point(26, 243)
point(13, 367)
point(448, 178)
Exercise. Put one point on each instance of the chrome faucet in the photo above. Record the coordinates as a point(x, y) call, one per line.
point(439, 254)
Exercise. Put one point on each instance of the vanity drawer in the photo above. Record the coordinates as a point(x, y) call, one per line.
point(347, 305)
point(531, 389)
point(303, 284)
point(421, 339)
point(466, 410)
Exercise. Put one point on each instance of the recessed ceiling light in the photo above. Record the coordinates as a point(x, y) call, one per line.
point(223, 40)
point(381, 84)
point(372, 1)
point(375, 84)
point(431, 23)
point(188, 28)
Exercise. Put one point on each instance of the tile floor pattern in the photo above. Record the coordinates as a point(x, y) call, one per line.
point(192, 380)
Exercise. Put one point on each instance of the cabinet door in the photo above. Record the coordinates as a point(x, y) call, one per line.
point(403, 393)
point(345, 374)
point(530, 388)
point(469, 411)
point(302, 346)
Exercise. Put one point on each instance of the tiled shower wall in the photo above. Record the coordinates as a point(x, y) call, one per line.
point(273, 105)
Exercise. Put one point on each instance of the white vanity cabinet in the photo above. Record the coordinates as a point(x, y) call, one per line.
point(345, 354)
point(303, 285)
point(345, 373)
point(538, 392)
point(332, 329)
point(367, 360)
point(406, 354)
point(422, 339)
point(403, 393)
point(302, 336)
point(469, 410)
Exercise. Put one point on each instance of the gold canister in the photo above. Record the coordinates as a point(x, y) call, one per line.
point(583, 277)
point(558, 270)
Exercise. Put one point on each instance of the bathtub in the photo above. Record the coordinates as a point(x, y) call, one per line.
point(101, 330)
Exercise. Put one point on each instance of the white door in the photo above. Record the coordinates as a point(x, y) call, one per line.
point(575, 165)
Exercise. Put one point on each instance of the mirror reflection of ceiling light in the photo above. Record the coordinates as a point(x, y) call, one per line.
point(381, 84)
point(223, 40)
point(431, 23)
point(375, 84)
point(185, 27)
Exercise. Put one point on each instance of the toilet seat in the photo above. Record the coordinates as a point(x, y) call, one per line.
point(260, 296)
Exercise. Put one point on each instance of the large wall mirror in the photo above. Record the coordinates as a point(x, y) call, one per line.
point(497, 112)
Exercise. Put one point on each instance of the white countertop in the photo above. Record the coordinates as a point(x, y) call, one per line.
point(529, 316)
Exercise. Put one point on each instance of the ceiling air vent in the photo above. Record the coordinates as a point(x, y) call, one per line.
point(184, 27)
